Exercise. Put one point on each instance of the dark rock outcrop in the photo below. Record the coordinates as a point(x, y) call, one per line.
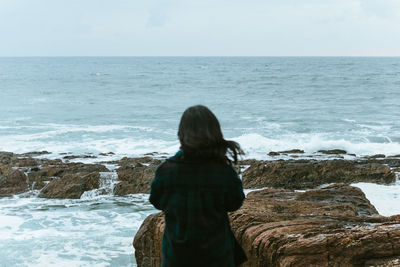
point(300, 174)
point(135, 177)
point(80, 157)
point(285, 152)
point(292, 151)
point(70, 186)
point(147, 241)
point(333, 151)
point(39, 177)
point(12, 183)
point(278, 227)
point(377, 156)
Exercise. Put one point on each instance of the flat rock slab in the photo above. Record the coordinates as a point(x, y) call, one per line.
point(136, 176)
point(303, 174)
point(12, 183)
point(333, 226)
point(70, 186)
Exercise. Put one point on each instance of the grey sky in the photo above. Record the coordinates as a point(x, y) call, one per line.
point(199, 28)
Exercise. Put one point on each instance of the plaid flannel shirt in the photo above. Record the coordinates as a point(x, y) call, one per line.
point(195, 196)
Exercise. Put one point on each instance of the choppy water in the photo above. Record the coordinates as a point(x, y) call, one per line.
point(131, 106)
point(84, 232)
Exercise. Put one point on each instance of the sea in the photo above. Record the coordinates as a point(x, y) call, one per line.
point(132, 106)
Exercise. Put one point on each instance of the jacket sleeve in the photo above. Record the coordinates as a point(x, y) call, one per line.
point(234, 195)
point(156, 190)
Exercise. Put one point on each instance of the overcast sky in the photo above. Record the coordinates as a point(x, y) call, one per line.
point(199, 27)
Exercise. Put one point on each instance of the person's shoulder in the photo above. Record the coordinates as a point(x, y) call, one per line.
point(168, 165)
point(230, 172)
point(226, 167)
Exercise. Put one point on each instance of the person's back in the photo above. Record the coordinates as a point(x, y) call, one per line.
point(196, 191)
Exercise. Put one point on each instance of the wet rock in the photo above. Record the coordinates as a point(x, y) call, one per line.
point(6, 157)
point(377, 156)
point(278, 227)
point(333, 151)
point(25, 162)
point(247, 162)
point(384, 262)
point(13, 183)
point(125, 188)
point(80, 157)
point(151, 154)
point(340, 194)
point(301, 174)
point(135, 178)
point(4, 154)
point(35, 153)
point(292, 151)
point(70, 186)
point(39, 177)
point(132, 161)
point(147, 241)
point(5, 169)
point(389, 161)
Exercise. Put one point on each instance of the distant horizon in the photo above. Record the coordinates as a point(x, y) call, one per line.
point(149, 56)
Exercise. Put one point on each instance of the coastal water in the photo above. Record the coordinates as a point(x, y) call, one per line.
point(83, 232)
point(132, 106)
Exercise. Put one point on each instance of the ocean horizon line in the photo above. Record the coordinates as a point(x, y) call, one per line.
point(208, 56)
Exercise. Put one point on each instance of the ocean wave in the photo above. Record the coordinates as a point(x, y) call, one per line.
point(68, 128)
point(37, 134)
point(257, 146)
point(74, 222)
point(121, 147)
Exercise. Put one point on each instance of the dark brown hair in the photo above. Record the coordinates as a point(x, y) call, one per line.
point(201, 137)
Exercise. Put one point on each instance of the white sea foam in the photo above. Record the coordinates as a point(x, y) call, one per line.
point(121, 147)
point(349, 120)
point(108, 180)
point(385, 198)
point(258, 146)
point(83, 232)
point(8, 225)
point(255, 145)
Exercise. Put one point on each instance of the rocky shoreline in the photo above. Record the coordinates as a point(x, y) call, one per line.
point(60, 178)
point(327, 223)
point(332, 226)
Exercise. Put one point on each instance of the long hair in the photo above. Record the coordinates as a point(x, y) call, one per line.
point(201, 137)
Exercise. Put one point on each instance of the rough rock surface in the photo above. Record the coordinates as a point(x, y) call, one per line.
point(70, 186)
point(300, 174)
point(147, 241)
point(333, 226)
point(136, 174)
point(12, 183)
point(135, 177)
point(39, 177)
point(333, 151)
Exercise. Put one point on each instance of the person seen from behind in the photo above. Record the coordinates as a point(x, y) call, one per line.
point(195, 189)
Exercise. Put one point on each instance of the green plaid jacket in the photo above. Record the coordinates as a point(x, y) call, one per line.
point(195, 197)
